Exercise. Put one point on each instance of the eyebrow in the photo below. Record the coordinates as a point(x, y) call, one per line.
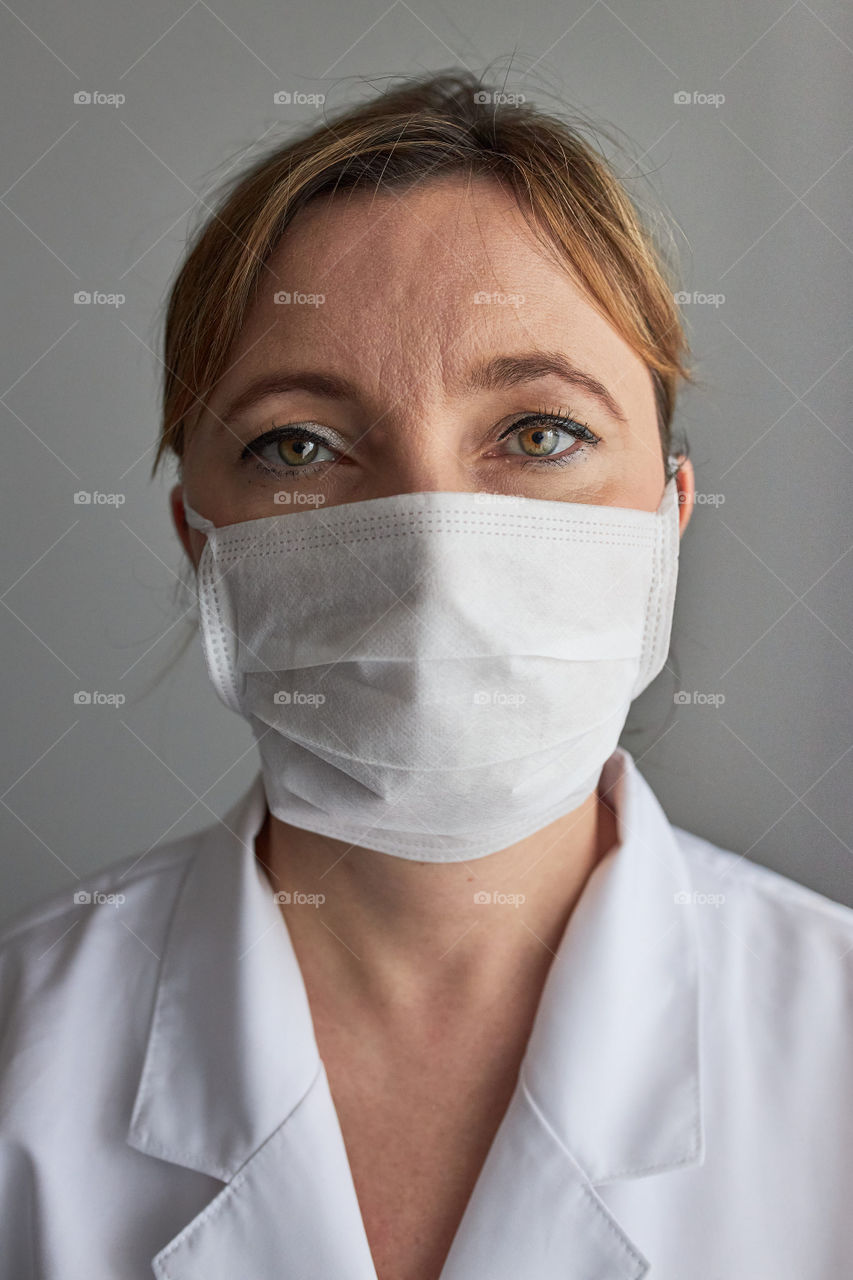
point(502, 372)
point(497, 374)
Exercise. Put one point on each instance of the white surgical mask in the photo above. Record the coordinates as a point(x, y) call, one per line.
point(436, 675)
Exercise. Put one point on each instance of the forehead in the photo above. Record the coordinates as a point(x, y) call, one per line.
point(418, 284)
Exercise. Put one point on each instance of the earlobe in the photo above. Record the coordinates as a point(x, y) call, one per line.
point(179, 520)
point(686, 483)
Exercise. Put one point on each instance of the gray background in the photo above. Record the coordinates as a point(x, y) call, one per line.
point(98, 197)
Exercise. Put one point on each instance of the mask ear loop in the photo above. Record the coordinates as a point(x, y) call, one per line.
point(194, 519)
point(673, 465)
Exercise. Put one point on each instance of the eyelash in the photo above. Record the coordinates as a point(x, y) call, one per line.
point(556, 418)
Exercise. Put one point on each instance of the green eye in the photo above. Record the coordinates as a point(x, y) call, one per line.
point(286, 450)
point(538, 442)
point(542, 436)
point(298, 450)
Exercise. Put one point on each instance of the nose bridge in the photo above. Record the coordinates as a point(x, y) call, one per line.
point(420, 446)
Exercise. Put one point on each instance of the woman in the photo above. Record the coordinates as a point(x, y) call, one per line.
point(444, 995)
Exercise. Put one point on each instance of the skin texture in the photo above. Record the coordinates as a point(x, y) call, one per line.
point(423, 1001)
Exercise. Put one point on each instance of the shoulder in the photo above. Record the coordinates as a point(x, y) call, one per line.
point(761, 888)
point(774, 975)
point(768, 942)
point(75, 938)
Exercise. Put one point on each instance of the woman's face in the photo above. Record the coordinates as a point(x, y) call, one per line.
point(429, 343)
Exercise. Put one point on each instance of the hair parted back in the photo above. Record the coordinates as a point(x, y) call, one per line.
point(439, 124)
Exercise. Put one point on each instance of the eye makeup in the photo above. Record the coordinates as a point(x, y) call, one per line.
point(315, 437)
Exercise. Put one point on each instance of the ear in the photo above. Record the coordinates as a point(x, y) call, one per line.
point(686, 483)
point(192, 540)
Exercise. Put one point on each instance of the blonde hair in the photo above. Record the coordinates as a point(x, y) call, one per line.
point(439, 124)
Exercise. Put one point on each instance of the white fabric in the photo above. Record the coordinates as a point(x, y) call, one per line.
point(437, 675)
point(684, 1109)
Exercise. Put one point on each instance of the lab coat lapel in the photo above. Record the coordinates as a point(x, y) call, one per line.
point(609, 1085)
point(232, 1083)
point(231, 1049)
point(534, 1213)
point(613, 1058)
point(290, 1213)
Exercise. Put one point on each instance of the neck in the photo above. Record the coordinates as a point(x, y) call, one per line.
point(392, 930)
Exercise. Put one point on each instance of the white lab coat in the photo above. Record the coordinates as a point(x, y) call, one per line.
point(684, 1109)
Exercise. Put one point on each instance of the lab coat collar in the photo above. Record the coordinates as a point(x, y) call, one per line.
point(231, 1047)
point(613, 1059)
point(233, 1086)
